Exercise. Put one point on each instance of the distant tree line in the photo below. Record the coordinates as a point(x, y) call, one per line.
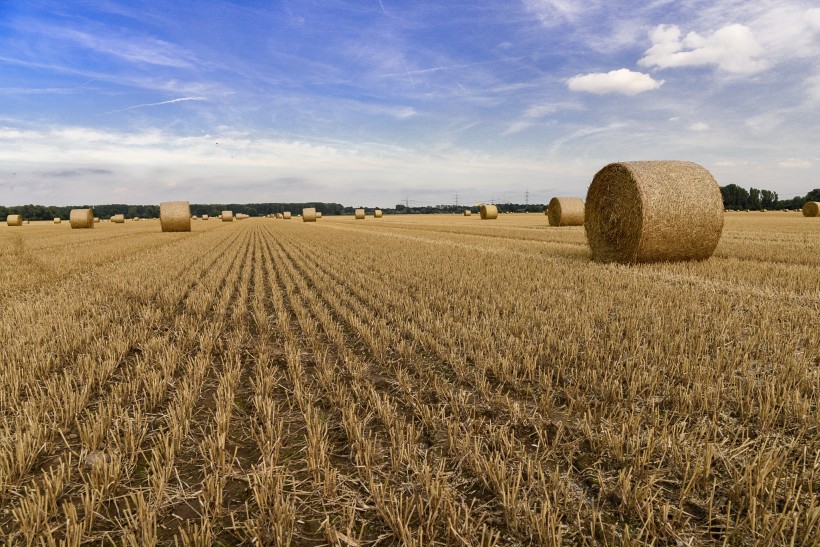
point(736, 198)
point(48, 212)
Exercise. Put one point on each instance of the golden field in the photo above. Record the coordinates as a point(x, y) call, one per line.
point(418, 380)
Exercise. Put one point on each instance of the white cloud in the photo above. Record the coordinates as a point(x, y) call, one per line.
point(732, 48)
point(555, 12)
point(699, 126)
point(623, 80)
point(812, 19)
point(794, 163)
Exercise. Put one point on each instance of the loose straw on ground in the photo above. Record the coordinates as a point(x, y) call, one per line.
point(81, 218)
point(566, 212)
point(651, 211)
point(488, 212)
point(175, 216)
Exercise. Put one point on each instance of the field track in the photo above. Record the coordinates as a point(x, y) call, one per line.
point(419, 380)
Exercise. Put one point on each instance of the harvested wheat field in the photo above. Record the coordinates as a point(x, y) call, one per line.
point(423, 380)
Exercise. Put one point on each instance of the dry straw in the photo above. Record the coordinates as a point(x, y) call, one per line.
point(488, 212)
point(14, 220)
point(468, 213)
point(286, 215)
point(318, 214)
point(57, 220)
point(227, 216)
point(81, 218)
point(309, 214)
point(175, 216)
point(811, 209)
point(566, 212)
point(118, 219)
point(359, 215)
point(377, 213)
point(205, 217)
point(651, 211)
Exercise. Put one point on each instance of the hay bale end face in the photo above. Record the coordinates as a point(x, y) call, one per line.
point(468, 213)
point(57, 220)
point(377, 213)
point(359, 214)
point(488, 212)
point(118, 219)
point(175, 216)
point(14, 220)
point(81, 218)
point(653, 211)
point(811, 209)
point(227, 216)
point(566, 212)
point(309, 214)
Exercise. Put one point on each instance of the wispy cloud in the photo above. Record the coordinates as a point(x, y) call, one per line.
point(144, 105)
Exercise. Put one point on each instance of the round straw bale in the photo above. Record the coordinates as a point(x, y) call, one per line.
point(205, 217)
point(359, 214)
point(81, 218)
point(811, 209)
point(118, 219)
point(566, 212)
point(175, 216)
point(227, 216)
point(279, 216)
point(377, 213)
point(318, 214)
point(57, 220)
point(651, 211)
point(136, 219)
point(14, 220)
point(309, 214)
point(468, 213)
point(488, 212)
point(96, 220)
point(286, 215)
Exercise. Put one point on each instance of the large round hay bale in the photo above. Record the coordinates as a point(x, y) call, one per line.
point(136, 219)
point(279, 216)
point(175, 216)
point(14, 220)
point(651, 211)
point(309, 214)
point(81, 218)
point(318, 214)
point(377, 213)
point(286, 215)
point(205, 217)
point(468, 213)
point(359, 214)
point(118, 219)
point(566, 212)
point(227, 216)
point(488, 212)
point(57, 220)
point(811, 209)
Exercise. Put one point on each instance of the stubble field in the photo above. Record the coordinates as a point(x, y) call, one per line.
point(430, 380)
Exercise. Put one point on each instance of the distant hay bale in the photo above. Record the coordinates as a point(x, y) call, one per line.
point(811, 209)
point(568, 211)
point(309, 214)
point(359, 214)
point(652, 211)
point(96, 220)
point(279, 216)
point(194, 217)
point(81, 218)
point(318, 214)
point(286, 215)
point(136, 219)
point(377, 213)
point(14, 220)
point(227, 216)
point(241, 216)
point(488, 212)
point(57, 220)
point(118, 219)
point(205, 217)
point(468, 213)
point(175, 216)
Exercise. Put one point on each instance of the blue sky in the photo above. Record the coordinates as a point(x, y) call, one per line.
point(374, 102)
